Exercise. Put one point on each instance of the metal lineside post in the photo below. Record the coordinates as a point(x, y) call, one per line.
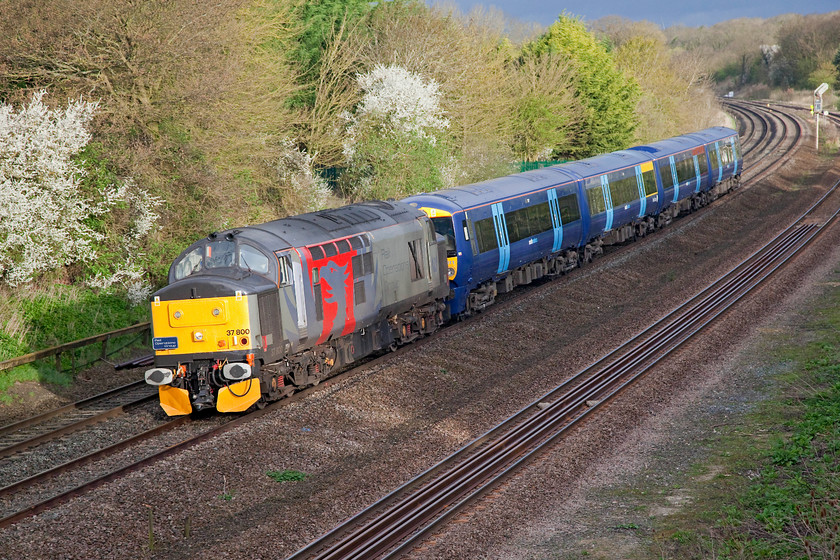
point(818, 108)
point(818, 132)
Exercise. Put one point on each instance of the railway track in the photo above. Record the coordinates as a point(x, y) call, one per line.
point(24, 496)
point(402, 519)
point(780, 135)
point(55, 423)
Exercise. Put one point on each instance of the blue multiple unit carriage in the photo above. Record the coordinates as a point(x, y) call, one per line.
point(512, 230)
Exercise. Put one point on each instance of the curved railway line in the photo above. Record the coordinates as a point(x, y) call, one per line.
point(765, 132)
point(401, 519)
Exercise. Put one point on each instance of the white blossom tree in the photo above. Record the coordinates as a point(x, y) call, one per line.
point(44, 213)
point(396, 138)
point(295, 168)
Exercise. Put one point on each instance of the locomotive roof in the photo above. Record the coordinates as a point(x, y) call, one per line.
point(316, 227)
point(712, 134)
point(605, 163)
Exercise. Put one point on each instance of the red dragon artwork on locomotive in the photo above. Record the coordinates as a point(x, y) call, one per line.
point(333, 278)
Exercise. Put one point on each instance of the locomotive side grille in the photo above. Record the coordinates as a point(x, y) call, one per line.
point(269, 308)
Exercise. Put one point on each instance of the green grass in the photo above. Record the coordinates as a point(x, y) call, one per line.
point(287, 475)
point(62, 314)
point(778, 494)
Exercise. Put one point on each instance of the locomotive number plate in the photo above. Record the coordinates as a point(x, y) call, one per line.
point(165, 343)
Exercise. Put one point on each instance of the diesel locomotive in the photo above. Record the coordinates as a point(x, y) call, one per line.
point(251, 313)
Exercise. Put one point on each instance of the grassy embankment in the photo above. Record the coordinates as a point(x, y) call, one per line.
point(771, 486)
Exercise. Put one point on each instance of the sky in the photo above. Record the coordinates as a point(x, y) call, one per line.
point(664, 13)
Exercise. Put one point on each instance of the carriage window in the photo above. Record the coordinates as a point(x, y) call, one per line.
point(701, 161)
point(220, 254)
point(665, 173)
point(714, 156)
point(595, 195)
point(569, 211)
point(528, 221)
point(485, 232)
point(649, 182)
point(251, 258)
point(624, 188)
point(684, 163)
point(190, 264)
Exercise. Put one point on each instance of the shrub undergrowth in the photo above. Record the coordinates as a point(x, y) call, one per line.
point(49, 317)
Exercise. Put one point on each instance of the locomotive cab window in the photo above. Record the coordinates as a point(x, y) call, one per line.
point(284, 276)
point(253, 260)
point(190, 264)
point(445, 227)
point(415, 259)
point(220, 254)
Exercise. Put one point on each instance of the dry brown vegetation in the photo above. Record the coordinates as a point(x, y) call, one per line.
point(197, 99)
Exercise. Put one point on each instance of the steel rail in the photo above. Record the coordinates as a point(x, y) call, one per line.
point(67, 408)
point(92, 456)
point(90, 418)
point(381, 534)
point(482, 468)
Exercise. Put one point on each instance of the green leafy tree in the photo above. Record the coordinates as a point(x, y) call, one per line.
point(545, 111)
point(806, 49)
point(608, 96)
point(675, 96)
point(320, 21)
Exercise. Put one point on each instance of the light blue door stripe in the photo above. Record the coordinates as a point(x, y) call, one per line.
point(501, 236)
point(735, 157)
point(674, 178)
point(556, 220)
point(640, 184)
point(605, 188)
point(697, 174)
point(720, 163)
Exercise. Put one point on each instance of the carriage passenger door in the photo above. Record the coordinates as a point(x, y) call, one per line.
point(556, 220)
point(501, 237)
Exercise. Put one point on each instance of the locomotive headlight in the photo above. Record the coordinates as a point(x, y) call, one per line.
point(451, 272)
point(178, 314)
point(198, 336)
point(236, 371)
point(159, 376)
point(216, 311)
